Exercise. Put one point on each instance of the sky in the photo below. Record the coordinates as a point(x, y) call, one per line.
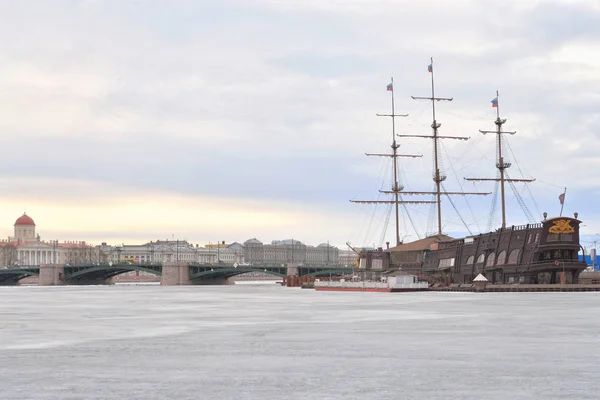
point(129, 121)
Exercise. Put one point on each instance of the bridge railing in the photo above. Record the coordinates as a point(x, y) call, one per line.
point(274, 265)
point(192, 264)
point(19, 266)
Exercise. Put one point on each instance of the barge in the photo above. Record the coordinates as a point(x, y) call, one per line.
point(399, 283)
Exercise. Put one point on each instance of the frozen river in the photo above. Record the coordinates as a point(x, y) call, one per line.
point(271, 342)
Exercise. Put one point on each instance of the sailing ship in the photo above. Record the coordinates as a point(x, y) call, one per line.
point(542, 252)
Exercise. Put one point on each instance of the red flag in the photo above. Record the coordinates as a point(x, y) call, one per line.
point(561, 198)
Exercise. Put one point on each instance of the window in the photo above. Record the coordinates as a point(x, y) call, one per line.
point(557, 254)
point(529, 238)
point(470, 260)
point(537, 237)
point(490, 260)
point(566, 237)
point(481, 258)
point(552, 237)
point(513, 256)
point(501, 258)
point(446, 263)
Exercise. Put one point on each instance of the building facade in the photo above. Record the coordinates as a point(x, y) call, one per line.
point(26, 247)
point(289, 251)
point(163, 251)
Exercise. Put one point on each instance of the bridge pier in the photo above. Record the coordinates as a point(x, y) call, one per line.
point(175, 273)
point(291, 275)
point(51, 275)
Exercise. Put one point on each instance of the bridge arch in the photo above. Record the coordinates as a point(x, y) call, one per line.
point(104, 272)
point(11, 276)
point(226, 273)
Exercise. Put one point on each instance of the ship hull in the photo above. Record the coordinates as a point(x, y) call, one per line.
point(542, 253)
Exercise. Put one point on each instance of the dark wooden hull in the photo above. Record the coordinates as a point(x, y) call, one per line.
point(544, 253)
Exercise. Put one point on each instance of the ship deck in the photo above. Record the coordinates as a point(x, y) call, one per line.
point(520, 288)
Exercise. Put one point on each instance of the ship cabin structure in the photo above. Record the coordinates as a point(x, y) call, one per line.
point(545, 252)
point(410, 257)
point(533, 253)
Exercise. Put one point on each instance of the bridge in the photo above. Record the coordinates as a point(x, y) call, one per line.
point(176, 273)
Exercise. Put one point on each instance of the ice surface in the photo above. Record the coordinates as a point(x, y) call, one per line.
point(272, 342)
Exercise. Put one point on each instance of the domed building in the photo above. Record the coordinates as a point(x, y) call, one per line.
point(26, 248)
point(24, 228)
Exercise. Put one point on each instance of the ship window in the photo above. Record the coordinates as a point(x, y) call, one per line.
point(470, 260)
point(557, 255)
point(490, 260)
point(537, 237)
point(446, 263)
point(529, 237)
point(501, 258)
point(552, 237)
point(566, 237)
point(513, 256)
point(481, 258)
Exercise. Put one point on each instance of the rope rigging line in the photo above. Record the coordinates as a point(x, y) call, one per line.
point(416, 117)
point(461, 188)
point(483, 117)
point(495, 198)
point(520, 201)
point(403, 178)
point(494, 205)
point(471, 147)
point(375, 208)
point(411, 220)
point(521, 172)
point(456, 209)
point(405, 227)
point(386, 224)
point(432, 214)
point(446, 220)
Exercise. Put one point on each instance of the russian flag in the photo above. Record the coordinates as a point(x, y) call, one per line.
point(495, 102)
point(390, 87)
point(430, 68)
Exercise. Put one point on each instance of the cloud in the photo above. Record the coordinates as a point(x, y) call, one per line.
point(118, 212)
point(274, 103)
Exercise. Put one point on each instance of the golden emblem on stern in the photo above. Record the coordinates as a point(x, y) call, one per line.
point(561, 226)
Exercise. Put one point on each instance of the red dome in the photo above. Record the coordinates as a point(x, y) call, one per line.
point(24, 220)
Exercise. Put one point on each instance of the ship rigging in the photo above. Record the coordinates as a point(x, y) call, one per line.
point(502, 167)
point(438, 176)
point(396, 190)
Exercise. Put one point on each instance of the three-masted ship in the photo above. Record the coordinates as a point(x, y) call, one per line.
point(542, 252)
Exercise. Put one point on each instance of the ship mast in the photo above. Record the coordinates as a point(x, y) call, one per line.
point(396, 188)
point(500, 164)
point(438, 176)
